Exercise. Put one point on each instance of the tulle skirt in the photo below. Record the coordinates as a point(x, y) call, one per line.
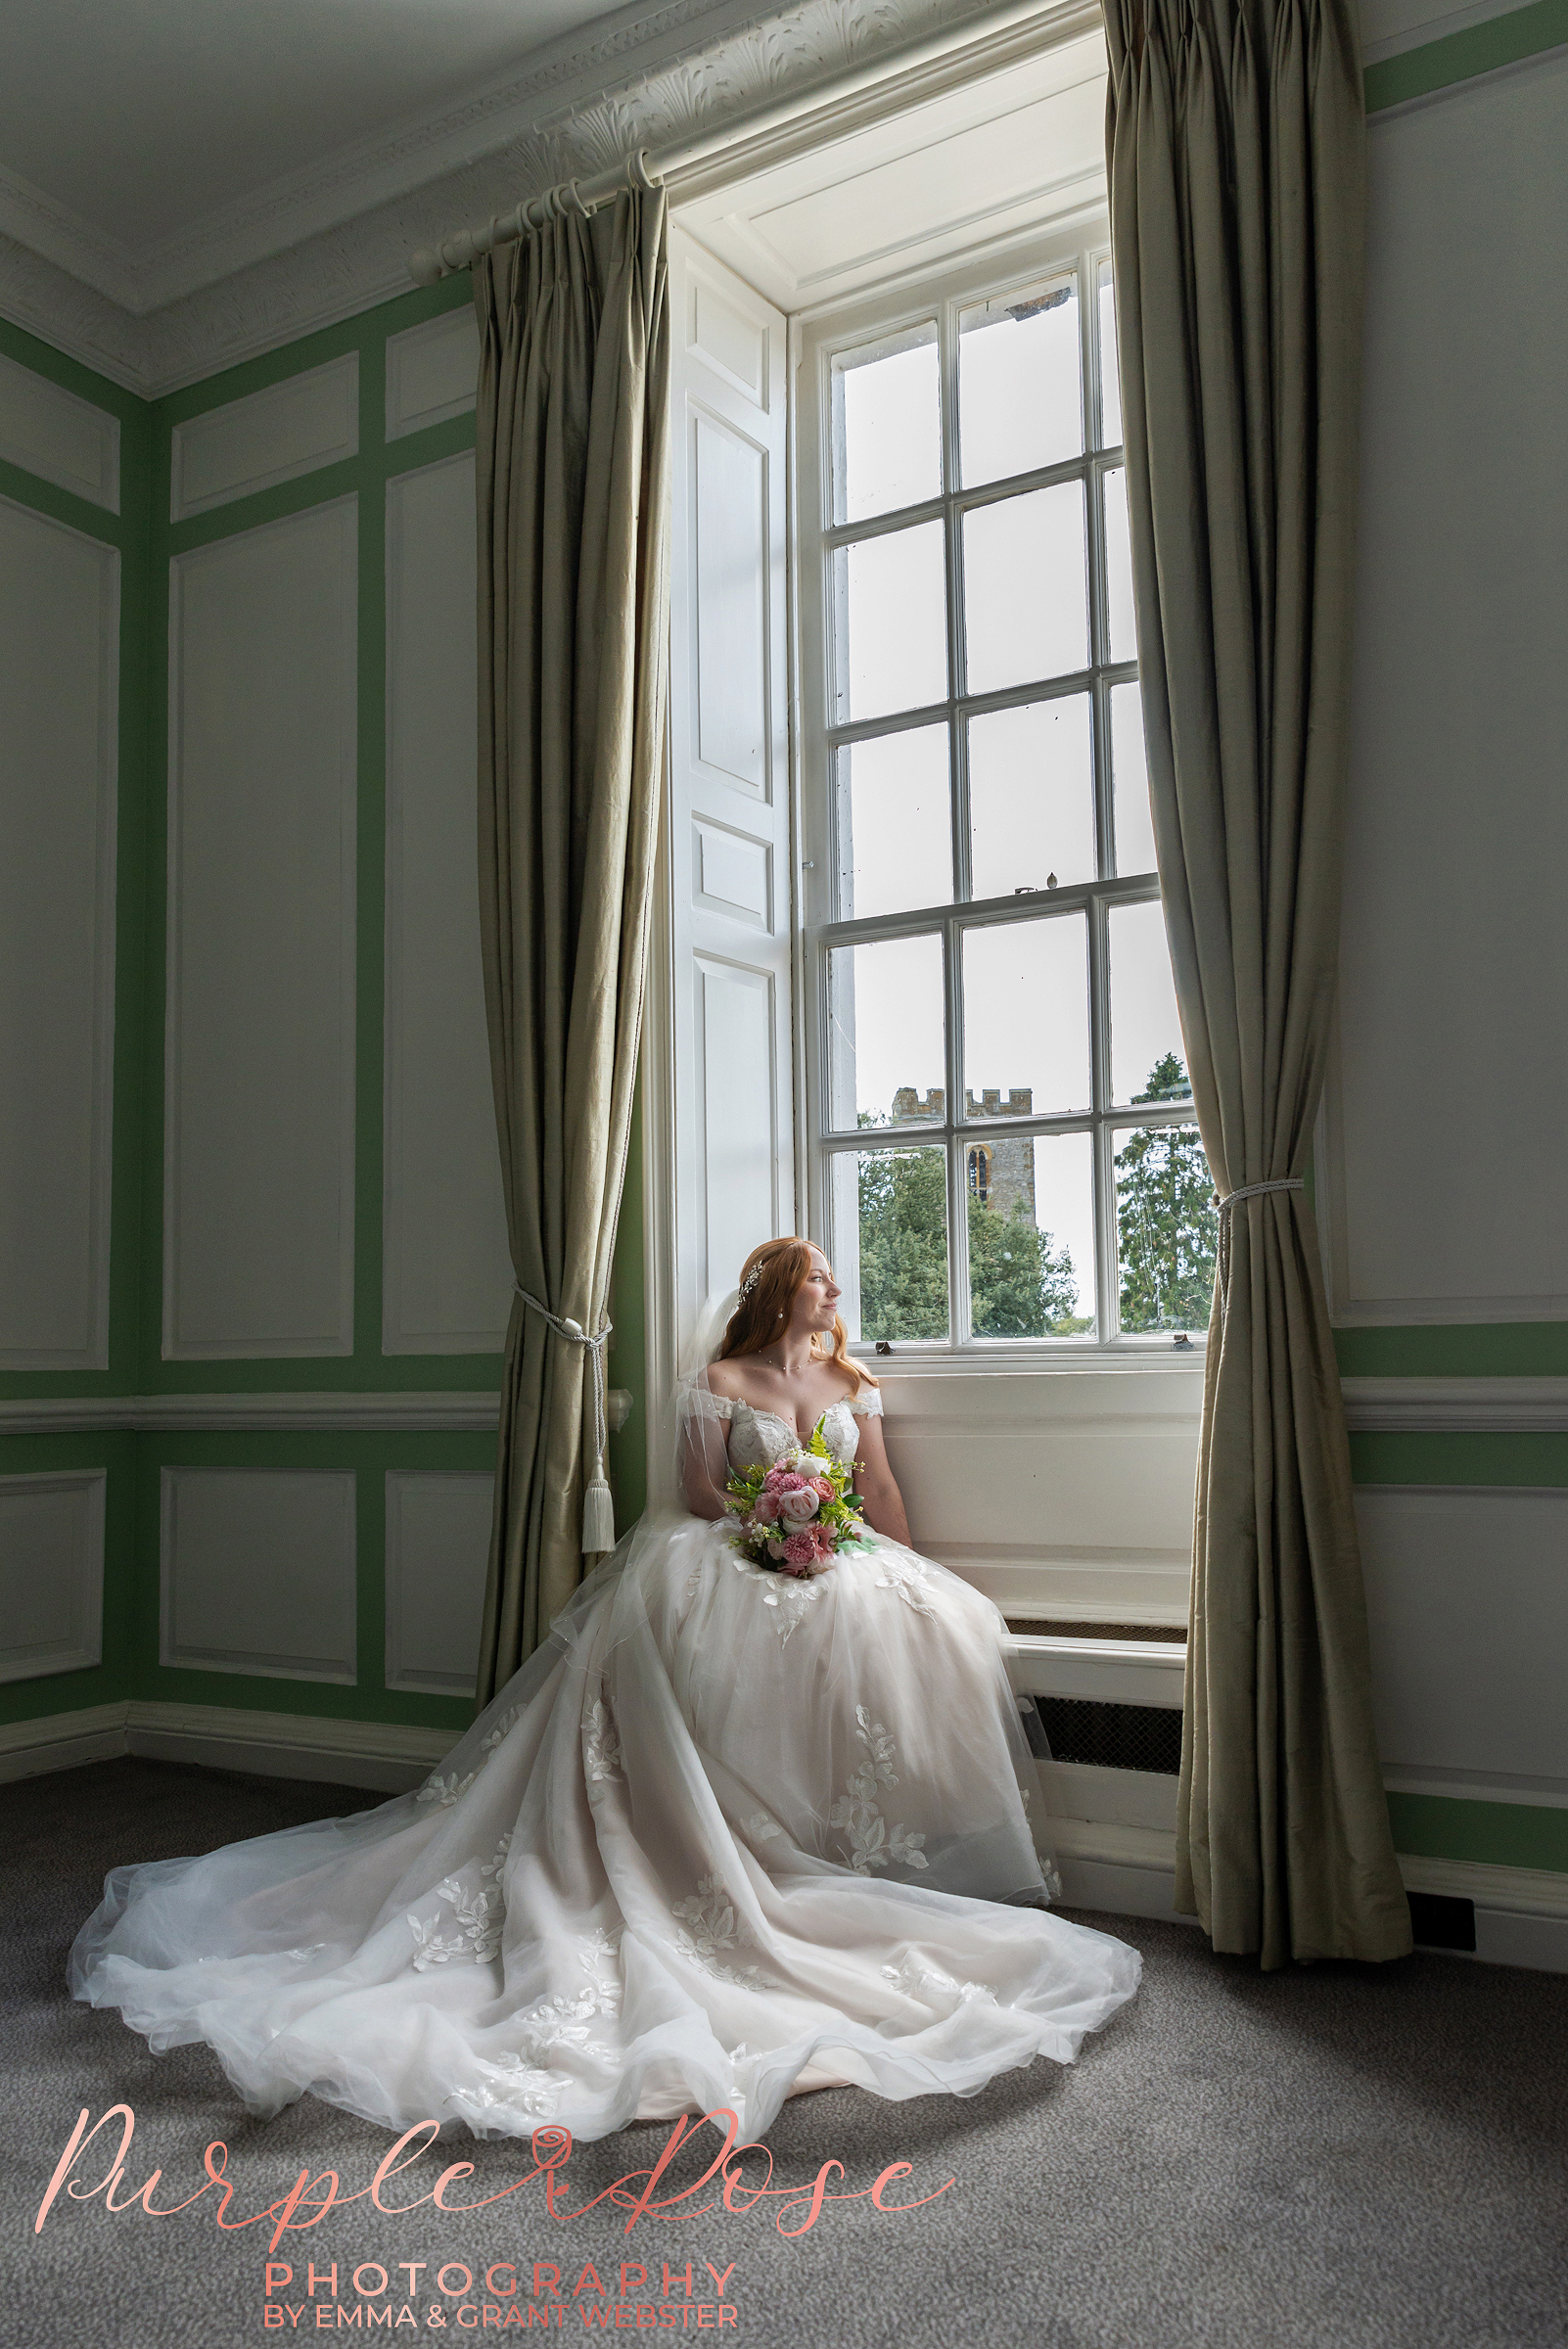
point(726, 1837)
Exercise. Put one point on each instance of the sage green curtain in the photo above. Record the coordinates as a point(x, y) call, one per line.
point(1235, 146)
point(574, 526)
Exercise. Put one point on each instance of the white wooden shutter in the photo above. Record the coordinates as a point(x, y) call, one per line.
point(729, 865)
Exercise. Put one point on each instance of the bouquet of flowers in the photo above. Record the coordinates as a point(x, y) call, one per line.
point(797, 1515)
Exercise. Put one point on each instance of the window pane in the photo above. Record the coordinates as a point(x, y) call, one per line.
point(1146, 1063)
point(1025, 595)
point(1166, 1228)
point(895, 830)
point(891, 599)
point(1020, 403)
point(1123, 633)
point(1030, 1236)
point(1026, 1018)
point(1135, 825)
point(887, 425)
point(1109, 363)
point(1031, 797)
point(890, 1241)
point(884, 1029)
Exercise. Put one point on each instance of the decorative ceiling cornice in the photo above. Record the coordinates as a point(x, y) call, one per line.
point(335, 239)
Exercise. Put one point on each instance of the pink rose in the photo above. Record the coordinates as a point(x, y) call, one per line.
point(765, 1508)
point(798, 1503)
point(824, 1491)
point(801, 1552)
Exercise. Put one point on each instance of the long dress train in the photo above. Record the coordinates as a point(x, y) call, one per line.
point(726, 1837)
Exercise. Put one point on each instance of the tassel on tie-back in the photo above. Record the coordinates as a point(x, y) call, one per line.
point(598, 1503)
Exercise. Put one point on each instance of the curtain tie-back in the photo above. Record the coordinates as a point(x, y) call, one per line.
point(1245, 1190)
point(598, 1508)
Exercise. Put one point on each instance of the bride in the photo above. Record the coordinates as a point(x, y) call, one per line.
point(728, 1835)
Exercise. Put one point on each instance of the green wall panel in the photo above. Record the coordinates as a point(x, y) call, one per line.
point(1505, 40)
point(1431, 1826)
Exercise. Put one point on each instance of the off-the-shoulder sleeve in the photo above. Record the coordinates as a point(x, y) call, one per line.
point(868, 1405)
point(698, 1401)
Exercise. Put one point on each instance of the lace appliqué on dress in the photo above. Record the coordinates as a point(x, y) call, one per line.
point(791, 1595)
point(601, 1744)
point(907, 1576)
point(448, 1790)
point(872, 1843)
point(930, 1986)
point(525, 2080)
point(708, 1925)
point(479, 1913)
point(452, 1788)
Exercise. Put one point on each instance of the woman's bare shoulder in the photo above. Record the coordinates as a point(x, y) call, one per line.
point(726, 1378)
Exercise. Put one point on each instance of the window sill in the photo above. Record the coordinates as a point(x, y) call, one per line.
point(1022, 1362)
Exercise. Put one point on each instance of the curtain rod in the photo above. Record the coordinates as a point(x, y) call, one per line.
point(432, 263)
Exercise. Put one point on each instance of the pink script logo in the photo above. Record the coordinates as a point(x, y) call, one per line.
point(637, 2192)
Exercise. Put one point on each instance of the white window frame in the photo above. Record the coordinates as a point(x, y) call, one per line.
point(983, 273)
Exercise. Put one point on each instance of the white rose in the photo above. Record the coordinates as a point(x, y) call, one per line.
point(797, 1507)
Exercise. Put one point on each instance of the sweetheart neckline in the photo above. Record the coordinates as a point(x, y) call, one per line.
point(840, 1402)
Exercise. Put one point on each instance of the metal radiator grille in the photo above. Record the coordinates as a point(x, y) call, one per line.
point(1113, 1736)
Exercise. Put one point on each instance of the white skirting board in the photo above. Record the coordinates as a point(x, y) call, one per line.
point(386, 1756)
point(1120, 1868)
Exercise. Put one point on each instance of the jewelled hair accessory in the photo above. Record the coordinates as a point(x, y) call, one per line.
point(751, 1281)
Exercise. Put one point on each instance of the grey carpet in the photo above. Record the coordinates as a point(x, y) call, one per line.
point(1333, 2155)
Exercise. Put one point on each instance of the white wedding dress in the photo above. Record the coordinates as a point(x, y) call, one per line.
point(726, 1837)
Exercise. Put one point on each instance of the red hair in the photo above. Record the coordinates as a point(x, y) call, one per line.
point(782, 1268)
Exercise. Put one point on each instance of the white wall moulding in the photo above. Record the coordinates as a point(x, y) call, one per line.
point(1451, 890)
point(1103, 1462)
point(1473, 1405)
point(51, 1573)
point(1479, 1786)
point(1521, 1913)
point(258, 1571)
point(1107, 1672)
point(59, 691)
point(48, 431)
point(260, 1022)
point(1129, 1798)
point(447, 1268)
point(389, 1757)
point(29, 1749)
point(292, 427)
point(1467, 1607)
point(432, 372)
point(438, 1549)
point(1391, 27)
point(148, 1414)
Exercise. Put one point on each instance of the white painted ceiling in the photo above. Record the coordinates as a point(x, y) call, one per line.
point(142, 118)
